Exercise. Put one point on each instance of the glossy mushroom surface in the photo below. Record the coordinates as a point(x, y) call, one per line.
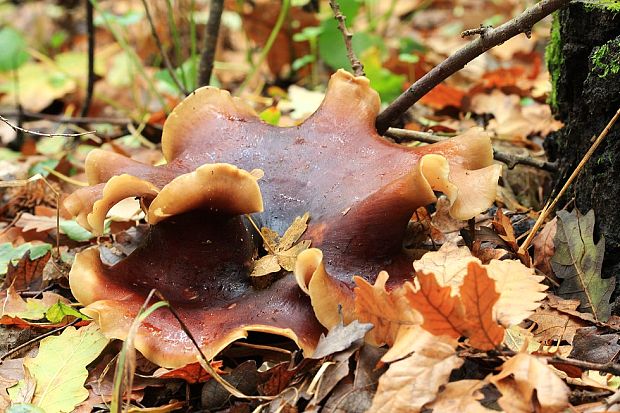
point(359, 189)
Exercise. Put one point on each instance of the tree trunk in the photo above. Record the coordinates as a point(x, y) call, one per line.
point(584, 60)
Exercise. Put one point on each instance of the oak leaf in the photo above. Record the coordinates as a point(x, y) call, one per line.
point(414, 381)
point(558, 320)
point(527, 384)
point(282, 251)
point(387, 311)
point(578, 261)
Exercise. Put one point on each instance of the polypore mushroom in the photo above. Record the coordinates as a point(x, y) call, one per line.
point(359, 189)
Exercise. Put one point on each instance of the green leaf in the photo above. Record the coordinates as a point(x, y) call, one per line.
point(387, 84)
point(578, 261)
point(12, 50)
point(331, 44)
point(74, 231)
point(8, 253)
point(271, 115)
point(58, 311)
point(59, 368)
point(8, 155)
point(39, 167)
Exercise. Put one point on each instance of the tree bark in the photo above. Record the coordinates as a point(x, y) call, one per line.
point(584, 61)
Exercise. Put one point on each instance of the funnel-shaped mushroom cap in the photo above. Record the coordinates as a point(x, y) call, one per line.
point(359, 189)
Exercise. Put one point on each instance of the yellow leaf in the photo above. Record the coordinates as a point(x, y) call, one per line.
point(296, 230)
point(527, 384)
point(412, 382)
point(265, 265)
point(449, 264)
point(287, 258)
point(479, 296)
point(60, 367)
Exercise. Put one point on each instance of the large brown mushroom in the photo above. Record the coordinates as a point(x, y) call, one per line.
point(359, 189)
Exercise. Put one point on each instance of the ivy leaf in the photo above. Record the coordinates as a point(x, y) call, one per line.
point(578, 261)
point(59, 368)
point(282, 251)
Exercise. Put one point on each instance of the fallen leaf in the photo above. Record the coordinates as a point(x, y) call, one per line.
point(460, 396)
point(15, 308)
point(26, 272)
point(340, 338)
point(443, 96)
point(479, 295)
point(578, 261)
point(444, 315)
point(11, 254)
point(527, 384)
point(386, 311)
point(596, 345)
point(59, 368)
point(555, 325)
point(412, 382)
point(5, 401)
point(544, 247)
point(191, 373)
point(282, 252)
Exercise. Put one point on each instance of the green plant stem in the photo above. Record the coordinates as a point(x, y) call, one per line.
point(176, 40)
point(286, 4)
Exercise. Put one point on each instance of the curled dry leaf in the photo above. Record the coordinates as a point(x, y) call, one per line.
point(527, 384)
point(282, 251)
point(414, 381)
point(544, 248)
point(387, 311)
point(558, 320)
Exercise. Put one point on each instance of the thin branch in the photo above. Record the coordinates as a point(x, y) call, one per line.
point(551, 205)
point(509, 159)
point(611, 368)
point(90, 27)
point(167, 63)
point(358, 68)
point(47, 135)
point(492, 37)
point(212, 31)
point(78, 120)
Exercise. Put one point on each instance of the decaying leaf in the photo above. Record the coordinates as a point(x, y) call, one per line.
point(527, 384)
point(387, 311)
point(60, 367)
point(460, 396)
point(544, 248)
point(15, 308)
point(412, 382)
point(282, 252)
point(558, 320)
point(340, 338)
point(26, 272)
point(578, 261)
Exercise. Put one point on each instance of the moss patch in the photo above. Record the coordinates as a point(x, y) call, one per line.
point(605, 59)
point(553, 57)
point(613, 5)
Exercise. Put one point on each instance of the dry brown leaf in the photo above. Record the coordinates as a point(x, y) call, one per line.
point(443, 314)
point(5, 401)
point(544, 248)
point(520, 289)
point(38, 223)
point(478, 295)
point(460, 396)
point(26, 273)
point(527, 384)
point(412, 382)
point(559, 320)
point(387, 311)
point(282, 251)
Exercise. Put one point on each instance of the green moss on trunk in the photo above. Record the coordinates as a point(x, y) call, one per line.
point(553, 56)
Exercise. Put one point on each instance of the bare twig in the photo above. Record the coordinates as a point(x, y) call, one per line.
point(47, 135)
point(478, 30)
point(37, 338)
point(212, 31)
point(90, 86)
point(67, 119)
point(358, 68)
point(492, 37)
point(163, 53)
point(551, 205)
point(509, 159)
point(612, 368)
